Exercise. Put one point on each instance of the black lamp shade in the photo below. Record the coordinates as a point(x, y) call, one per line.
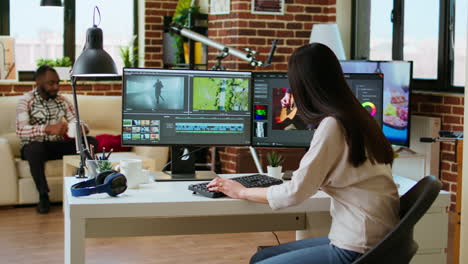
point(94, 61)
point(51, 2)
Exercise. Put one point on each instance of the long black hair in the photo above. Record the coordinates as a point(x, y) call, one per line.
point(320, 90)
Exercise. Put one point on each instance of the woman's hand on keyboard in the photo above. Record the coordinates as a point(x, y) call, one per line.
point(229, 187)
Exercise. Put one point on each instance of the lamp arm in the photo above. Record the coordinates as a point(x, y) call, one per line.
point(219, 46)
point(81, 148)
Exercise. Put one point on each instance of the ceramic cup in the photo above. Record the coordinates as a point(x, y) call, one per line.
point(132, 169)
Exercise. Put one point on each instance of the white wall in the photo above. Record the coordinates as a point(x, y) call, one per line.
point(464, 209)
point(343, 19)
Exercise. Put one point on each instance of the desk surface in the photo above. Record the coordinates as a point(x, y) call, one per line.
point(174, 199)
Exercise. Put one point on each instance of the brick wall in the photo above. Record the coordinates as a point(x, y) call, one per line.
point(241, 29)
point(86, 88)
point(155, 10)
point(450, 108)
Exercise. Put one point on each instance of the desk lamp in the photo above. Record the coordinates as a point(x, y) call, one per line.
point(93, 62)
point(51, 2)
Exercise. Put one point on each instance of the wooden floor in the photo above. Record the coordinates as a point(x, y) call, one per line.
point(29, 238)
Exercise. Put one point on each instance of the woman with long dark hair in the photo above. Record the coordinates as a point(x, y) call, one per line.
point(349, 158)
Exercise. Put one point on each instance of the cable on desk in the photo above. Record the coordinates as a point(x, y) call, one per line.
point(276, 236)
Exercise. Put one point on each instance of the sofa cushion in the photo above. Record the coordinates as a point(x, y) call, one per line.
point(53, 168)
point(14, 142)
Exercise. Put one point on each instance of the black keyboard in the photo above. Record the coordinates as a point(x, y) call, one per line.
point(249, 181)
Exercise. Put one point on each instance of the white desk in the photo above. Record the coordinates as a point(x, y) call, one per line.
point(168, 208)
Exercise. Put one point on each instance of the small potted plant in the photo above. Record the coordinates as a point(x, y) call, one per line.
point(275, 160)
point(61, 65)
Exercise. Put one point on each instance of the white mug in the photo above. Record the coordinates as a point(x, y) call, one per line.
point(132, 169)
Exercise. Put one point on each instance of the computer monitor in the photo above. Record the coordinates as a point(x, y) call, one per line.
point(397, 91)
point(275, 126)
point(183, 109)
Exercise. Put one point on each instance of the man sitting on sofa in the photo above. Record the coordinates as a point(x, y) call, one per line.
point(42, 118)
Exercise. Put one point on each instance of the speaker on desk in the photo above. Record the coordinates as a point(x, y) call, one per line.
point(110, 182)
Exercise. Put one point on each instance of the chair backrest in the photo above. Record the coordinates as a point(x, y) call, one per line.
point(398, 246)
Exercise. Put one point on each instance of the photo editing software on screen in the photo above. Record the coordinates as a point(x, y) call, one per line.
point(397, 90)
point(278, 126)
point(184, 107)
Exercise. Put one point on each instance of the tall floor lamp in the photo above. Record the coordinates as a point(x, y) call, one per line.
point(94, 61)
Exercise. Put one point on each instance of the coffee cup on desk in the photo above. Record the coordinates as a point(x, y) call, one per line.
point(132, 169)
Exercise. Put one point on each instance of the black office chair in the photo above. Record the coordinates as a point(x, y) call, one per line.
point(398, 246)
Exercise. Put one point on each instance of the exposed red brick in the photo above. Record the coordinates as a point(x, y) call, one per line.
point(6, 88)
point(454, 167)
point(153, 20)
point(117, 87)
point(102, 87)
point(448, 156)
point(257, 24)
point(446, 109)
point(295, 8)
point(451, 119)
point(452, 207)
point(294, 26)
point(276, 25)
point(458, 110)
point(22, 88)
point(427, 108)
point(453, 188)
point(314, 18)
point(257, 41)
point(452, 100)
point(114, 93)
point(447, 146)
point(82, 87)
point(285, 34)
point(266, 33)
point(445, 166)
point(313, 9)
point(451, 177)
point(446, 186)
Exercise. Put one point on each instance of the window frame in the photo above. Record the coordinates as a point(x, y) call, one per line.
point(445, 64)
point(69, 18)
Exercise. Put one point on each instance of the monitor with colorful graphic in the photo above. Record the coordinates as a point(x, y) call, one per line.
point(397, 91)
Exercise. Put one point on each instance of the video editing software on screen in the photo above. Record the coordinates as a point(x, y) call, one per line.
point(280, 125)
point(182, 107)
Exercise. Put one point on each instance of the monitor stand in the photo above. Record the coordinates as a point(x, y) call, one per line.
point(183, 167)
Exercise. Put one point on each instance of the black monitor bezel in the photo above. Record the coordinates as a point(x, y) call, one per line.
point(179, 144)
point(410, 89)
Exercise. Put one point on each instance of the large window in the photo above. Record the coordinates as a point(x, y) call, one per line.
point(54, 32)
point(421, 37)
point(460, 43)
point(38, 32)
point(431, 33)
point(381, 30)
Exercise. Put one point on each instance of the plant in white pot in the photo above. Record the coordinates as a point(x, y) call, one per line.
point(61, 65)
point(275, 160)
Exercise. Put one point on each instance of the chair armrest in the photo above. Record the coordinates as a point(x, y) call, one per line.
point(9, 177)
point(159, 154)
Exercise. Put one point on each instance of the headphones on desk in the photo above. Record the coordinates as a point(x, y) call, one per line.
point(110, 182)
